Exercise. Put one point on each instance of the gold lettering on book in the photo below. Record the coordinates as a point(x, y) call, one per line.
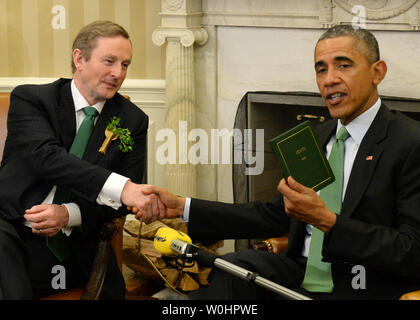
point(300, 150)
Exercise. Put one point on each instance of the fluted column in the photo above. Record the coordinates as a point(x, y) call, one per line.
point(180, 31)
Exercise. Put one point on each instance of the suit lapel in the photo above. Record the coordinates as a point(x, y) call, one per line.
point(66, 115)
point(365, 162)
point(98, 135)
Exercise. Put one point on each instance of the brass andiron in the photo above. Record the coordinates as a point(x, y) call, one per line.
point(310, 116)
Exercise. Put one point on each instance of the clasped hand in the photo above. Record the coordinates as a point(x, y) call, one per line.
point(167, 205)
point(147, 202)
point(47, 219)
point(300, 202)
point(149, 206)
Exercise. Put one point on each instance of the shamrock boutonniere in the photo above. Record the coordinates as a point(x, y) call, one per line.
point(113, 131)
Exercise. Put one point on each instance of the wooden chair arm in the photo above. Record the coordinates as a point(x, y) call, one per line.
point(414, 295)
point(97, 276)
point(275, 245)
point(100, 263)
point(279, 245)
point(117, 240)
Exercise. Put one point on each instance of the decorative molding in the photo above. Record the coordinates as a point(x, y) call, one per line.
point(326, 13)
point(181, 20)
point(172, 5)
point(402, 15)
point(244, 18)
point(187, 37)
point(377, 10)
point(8, 84)
point(144, 93)
point(417, 25)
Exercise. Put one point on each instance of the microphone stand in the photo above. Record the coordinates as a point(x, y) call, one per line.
point(191, 252)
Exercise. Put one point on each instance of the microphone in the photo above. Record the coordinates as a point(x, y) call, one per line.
point(171, 242)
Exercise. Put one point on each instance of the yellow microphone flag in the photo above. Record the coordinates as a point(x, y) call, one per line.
point(164, 237)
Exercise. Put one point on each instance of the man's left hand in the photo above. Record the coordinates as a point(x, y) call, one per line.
point(306, 205)
point(47, 219)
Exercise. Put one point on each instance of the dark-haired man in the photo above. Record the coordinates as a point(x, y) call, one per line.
point(360, 237)
point(56, 188)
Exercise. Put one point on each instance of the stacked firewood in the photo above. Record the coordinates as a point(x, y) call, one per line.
point(140, 255)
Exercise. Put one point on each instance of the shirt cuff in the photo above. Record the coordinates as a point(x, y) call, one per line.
point(75, 218)
point(110, 194)
point(186, 215)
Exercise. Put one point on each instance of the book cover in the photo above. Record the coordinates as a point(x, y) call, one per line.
point(300, 156)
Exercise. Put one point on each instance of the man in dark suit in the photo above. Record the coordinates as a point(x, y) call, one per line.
point(372, 245)
point(37, 165)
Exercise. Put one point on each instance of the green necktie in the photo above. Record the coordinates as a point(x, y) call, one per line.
point(58, 244)
point(318, 276)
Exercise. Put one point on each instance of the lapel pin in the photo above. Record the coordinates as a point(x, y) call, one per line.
point(113, 131)
point(109, 135)
point(369, 158)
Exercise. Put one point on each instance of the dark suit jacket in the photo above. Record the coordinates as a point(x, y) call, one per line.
point(378, 228)
point(41, 128)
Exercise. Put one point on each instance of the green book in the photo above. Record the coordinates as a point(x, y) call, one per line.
point(300, 156)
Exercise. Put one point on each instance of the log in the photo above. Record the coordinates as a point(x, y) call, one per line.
point(187, 283)
point(142, 285)
point(146, 246)
point(148, 231)
point(171, 275)
point(201, 276)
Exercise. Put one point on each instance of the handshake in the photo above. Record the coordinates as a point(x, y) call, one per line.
point(149, 203)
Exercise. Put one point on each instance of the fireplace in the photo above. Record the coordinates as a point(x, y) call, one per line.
point(276, 112)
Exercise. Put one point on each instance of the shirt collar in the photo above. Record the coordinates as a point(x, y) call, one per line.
point(358, 127)
point(80, 102)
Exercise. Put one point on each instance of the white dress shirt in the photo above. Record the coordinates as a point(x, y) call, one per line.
point(110, 195)
point(357, 130)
